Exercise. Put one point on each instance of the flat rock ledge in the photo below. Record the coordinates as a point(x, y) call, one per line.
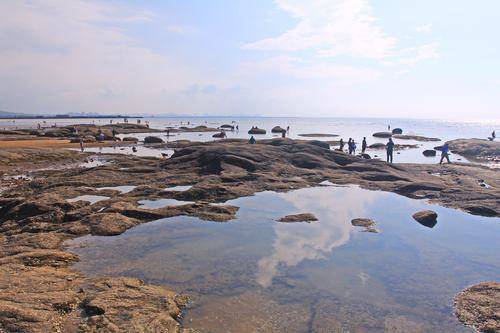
point(304, 217)
point(479, 306)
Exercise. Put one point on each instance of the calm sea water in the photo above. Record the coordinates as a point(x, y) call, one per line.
point(257, 275)
point(346, 128)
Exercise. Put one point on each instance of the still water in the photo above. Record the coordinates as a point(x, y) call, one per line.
point(254, 274)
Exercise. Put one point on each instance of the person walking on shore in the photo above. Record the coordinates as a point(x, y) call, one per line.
point(363, 145)
point(445, 153)
point(81, 144)
point(390, 149)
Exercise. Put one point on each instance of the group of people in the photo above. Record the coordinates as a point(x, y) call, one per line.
point(389, 147)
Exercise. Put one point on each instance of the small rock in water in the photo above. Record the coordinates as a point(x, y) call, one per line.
point(429, 152)
point(426, 218)
point(304, 217)
point(363, 222)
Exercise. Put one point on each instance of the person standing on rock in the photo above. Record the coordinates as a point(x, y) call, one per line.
point(363, 145)
point(252, 140)
point(445, 153)
point(349, 146)
point(81, 144)
point(493, 135)
point(283, 134)
point(353, 145)
point(390, 149)
point(341, 144)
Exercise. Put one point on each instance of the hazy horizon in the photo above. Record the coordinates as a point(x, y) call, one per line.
point(283, 58)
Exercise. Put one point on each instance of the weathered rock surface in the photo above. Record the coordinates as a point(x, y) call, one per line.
point(363, 222)
point(427, 218)
point(153, 139)
point(479, 306)
point(36, 293)
point(397, 131)
point(257, 131)
point(130, 139)
point(278, 129)
point(476, 148)
point(382, 134)
point(414, 137)
point(303, 217)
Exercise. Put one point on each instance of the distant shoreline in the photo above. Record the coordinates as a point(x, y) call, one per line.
point(55, 117)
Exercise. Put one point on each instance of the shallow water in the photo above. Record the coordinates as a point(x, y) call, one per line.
point(356, 128)
point(122, 188)
point(160, 203)
point(142, 150)
point(92, 199)
point(253, 274)
point(180, 188)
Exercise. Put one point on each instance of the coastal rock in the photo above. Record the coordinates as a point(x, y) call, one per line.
point(366, 156)
point(130, 139)
point(152, 139)
point(414, 137)
point(304, 217)
point(429, 153)
point(109, 224)
point(196, 129)
point(366, 224)
point(219, 135)
point(476, 148)
point(227, 126)
point(426, 218)
point(256, 130)
point(479, 306)
point(363, 222)
point(397, 131)
point(382, 135)
point(277, 129)
point(377, 146)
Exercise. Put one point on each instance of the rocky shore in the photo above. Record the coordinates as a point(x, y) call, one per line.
point(40, 292)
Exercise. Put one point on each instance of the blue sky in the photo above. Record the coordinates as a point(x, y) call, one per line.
point(383, 58)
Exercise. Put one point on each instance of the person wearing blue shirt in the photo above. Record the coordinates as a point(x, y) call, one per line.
point(445, 153)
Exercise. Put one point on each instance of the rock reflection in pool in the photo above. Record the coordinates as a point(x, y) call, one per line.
point(255, 275)
point(160, 203)
point(180, 188)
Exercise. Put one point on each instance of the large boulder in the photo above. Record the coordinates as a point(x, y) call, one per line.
point(227, 126)
point(278, 129)
point(304, 217)
point(426, 218)
point(257, 130)
point(152, 139)
point(397, 131)
point(382, 135)
point(429, 153)
point(130, 139)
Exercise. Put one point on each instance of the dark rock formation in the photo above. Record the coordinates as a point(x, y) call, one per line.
point(277, 129)
point(429, 153)
point(382, 135)
point(256, 130)
point(479, 306)
point(426, 218)
point(414, 137)
point(130, 139)
point(153, 139)
point(303, 217)
point(397, 131)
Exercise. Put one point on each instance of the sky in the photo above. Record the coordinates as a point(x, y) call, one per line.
point(315, 58)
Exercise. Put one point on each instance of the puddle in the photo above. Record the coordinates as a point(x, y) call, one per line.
point(160, 203)
point(180, 188)
point(93, 162)
point(90, 198)
point(122, 189)
point(141, 150)
point(252, 275)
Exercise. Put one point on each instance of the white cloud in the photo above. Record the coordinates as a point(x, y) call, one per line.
point(332, 28)
point(425, 29)
point(414, 55)
point(64, 56)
